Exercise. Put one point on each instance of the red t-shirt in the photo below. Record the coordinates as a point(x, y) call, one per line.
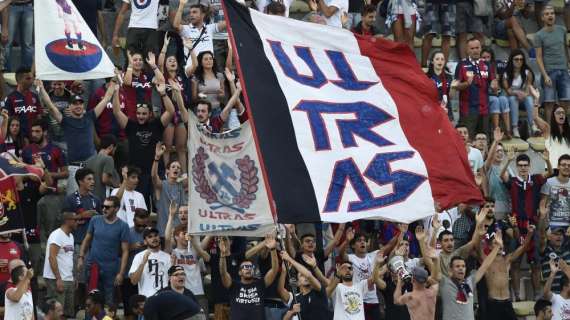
point(107, 123)
point(140, 91)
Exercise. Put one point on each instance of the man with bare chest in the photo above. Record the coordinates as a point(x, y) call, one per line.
point(499, 305)
point(421, 301)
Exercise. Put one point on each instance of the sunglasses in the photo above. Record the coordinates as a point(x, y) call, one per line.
point(248, 266)
point(107, 207)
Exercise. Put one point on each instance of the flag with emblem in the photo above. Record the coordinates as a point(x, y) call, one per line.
point(11, 219)
point(12, 166)
point(65, 46)
point(227, 194)
point(348, 127)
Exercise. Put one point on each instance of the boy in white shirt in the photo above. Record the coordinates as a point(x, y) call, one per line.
point(149, 269)
point(130, 198)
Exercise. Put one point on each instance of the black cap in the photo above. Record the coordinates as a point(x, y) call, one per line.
point(148, 231)
point(558, 229)
point(173, 269)
point(76, 98)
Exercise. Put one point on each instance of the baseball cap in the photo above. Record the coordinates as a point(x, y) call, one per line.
point(173, 269)
point(420, 274)
point(76, 98)
point(148, 231)
point(558, 230)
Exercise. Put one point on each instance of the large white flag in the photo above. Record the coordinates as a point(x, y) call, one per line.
point(66, 49)
point(227, 188)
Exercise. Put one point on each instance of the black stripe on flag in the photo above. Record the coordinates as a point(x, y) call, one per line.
point(288, 177)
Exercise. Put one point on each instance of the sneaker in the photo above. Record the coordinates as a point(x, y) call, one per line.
point(516, 133)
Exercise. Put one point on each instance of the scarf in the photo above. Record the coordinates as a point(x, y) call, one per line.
point(463, 291)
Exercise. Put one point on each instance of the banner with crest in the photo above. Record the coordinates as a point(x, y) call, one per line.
point(11, 219)
point(227, 194)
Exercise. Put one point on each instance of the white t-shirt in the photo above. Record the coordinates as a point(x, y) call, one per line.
point(131, 200)
point(155, 273)
point(560, 307)
point(262, 4)
point(64, 255)
point(189, 260)
point(21, 310)
point(336, 19)
point(144, 13)
point(205, 42)
point(475, 159)
point(363, 268)
point(348, 301)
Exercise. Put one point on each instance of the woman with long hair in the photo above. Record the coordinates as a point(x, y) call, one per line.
point(517, 79)
point(208, 81)
point(13, 138)
point(498, 103)
point(438, 73)
point(177, 87)
point(556, 133)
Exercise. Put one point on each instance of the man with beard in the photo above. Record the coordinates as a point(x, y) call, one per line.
point(58, 265)
point(555, 195)
point(457, 290)
point(247, 294)
point(349, 294)
point(150, 267)
point(169, 191)
point(525, 192)
point(41, 151)
point(143, 134)
point(216, 124)
point(312, 295)
point(106, 261)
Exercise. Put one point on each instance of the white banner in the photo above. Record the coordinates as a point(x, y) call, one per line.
point(227, 189)
point(65, 48)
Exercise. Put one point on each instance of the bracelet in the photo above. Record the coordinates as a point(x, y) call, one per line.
point(162, 95)
point(156, 160)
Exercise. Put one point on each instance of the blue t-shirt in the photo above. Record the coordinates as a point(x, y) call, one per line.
point(107, 239)
point(134, 237)
point(78, 203)
point(79, 136)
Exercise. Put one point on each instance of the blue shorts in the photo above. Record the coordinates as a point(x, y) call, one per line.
point(560, 89)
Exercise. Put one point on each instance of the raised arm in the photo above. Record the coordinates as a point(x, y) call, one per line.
point(128, 77)
point(158, 152)
point(343, 247)
point(315, 284)
point(497, 136)
point(230, 105)
point(524, 247)
point(172, 210)
point(109, 94)
point(168, 106)
point(271, 244)
point(378, 272)
point(224, 275)
point(312, 262)
point(198, 247)
point(332, 244)
point(254, 251)
point(554, 268)
point(22, 287)
point(177, 93)
point(121, 118)
point(284, 294)
point(542, 125)
point(158, 76)
point(333, 283)
point(162, 55)
point(123, 185)
point(178, 16)
point(399, 298)
point(510, 157)
point(47, 101)
point(119, 22)
point(546, 157)
point(497, 245)
point(190, 69)
point(136, 276)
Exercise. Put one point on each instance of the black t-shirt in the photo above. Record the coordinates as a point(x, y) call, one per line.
point(246, 300)
point(219, 293)
point(393, 311)
point(315, 305)
point(29, 198)
point(142, 142)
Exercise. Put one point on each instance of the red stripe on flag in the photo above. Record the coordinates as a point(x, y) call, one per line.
point(424, 122)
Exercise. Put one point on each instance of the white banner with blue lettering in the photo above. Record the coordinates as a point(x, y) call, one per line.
point(66, 48)
point(227, 194)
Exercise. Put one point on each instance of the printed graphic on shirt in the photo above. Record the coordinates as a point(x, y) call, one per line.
point(560, 205)
point(352, 302)
point(156, 270)
point(248, 296)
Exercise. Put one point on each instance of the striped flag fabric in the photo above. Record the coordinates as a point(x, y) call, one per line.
point(347, 127)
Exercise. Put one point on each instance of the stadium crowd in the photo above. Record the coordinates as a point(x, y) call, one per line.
point(106, 228)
